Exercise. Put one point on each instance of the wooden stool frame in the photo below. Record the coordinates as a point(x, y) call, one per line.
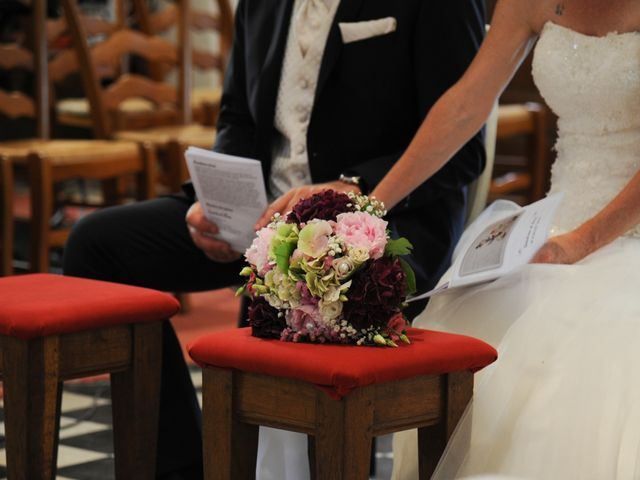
point(340, 432)
point(33, 371)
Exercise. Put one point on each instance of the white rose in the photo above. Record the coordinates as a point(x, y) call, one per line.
point(330, 310)
point(358, 255)
point(343, 267)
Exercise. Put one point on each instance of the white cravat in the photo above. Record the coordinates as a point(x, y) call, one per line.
point(310, 16)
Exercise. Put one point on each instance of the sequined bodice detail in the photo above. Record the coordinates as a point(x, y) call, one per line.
point(593, 85)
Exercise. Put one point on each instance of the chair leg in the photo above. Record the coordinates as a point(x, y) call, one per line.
point(113, 189)
point(41, 185)
point(210, 113)
point(230, 447)
point(342, 447)
point(136, 402)
point(176, 166)
point(33, 394)
point(147, 179)
point(432, 440)
point(6, 217)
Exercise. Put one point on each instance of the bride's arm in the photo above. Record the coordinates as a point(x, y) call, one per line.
point(464, 108)
point(615, 219)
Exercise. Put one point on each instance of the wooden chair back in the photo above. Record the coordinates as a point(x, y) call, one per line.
point(28, 104)
point(205, 100)
point(197, 20)
point(66, 62)
point(105, 59)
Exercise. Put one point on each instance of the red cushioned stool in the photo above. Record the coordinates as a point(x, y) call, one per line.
point(341, 396)
point(54, 328)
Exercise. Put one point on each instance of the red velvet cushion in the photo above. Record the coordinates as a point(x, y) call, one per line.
point(342, 368)
point(40, 305)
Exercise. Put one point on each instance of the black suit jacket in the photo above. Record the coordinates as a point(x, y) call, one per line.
point(371, 97)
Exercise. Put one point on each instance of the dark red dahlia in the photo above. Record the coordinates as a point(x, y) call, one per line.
point(377, 291)
point(326, 205)
point(264, 319)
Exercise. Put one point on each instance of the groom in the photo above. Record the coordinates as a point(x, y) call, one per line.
point(331, 92)
point(322, 92)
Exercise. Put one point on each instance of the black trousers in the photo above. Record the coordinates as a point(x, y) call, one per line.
point(147, 244)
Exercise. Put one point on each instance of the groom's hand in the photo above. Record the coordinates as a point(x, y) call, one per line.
point(286, 202)
point(203, 234)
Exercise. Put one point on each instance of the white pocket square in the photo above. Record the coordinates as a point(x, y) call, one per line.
point(355, 31)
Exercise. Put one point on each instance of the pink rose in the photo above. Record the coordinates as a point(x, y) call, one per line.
point(359, 229)
point(258, 253)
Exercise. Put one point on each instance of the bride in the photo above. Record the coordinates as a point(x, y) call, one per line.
point(563, 399)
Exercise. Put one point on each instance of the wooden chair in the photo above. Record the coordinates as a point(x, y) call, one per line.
point(55, 328)
point(205, 101)
point(168, 141)
point(49, 162)
point(527, 178)
point(340, 396)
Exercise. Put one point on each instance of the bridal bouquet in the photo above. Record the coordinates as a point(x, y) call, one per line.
point(328, 272)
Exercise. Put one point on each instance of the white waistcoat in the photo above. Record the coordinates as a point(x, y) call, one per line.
point(306, 41)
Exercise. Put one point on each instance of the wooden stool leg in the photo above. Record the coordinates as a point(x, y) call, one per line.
point(229, 446)
point(433, 440)
point(431, 444)
point(32, 399)
point(135, 394)
point(342, 447)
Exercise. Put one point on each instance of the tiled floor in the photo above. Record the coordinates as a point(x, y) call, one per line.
point(86, 441)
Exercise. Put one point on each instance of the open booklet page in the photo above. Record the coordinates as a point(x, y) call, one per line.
point(503, 237)
point(232, 193)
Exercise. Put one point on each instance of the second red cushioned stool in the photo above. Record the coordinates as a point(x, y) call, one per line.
point(54, 328)
point(341, 396)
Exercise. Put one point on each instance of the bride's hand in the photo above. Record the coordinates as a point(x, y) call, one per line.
point(566, 249)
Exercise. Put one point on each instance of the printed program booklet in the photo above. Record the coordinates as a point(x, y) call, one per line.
point(232, 193)
point(502, 238)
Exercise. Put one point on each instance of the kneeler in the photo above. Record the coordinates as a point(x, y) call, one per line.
point(54, 328)
point(340, 396)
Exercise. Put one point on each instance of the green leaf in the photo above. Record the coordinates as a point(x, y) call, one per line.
point(283, 252)
point(246, 271)
point(410, 276)
point(398, 246)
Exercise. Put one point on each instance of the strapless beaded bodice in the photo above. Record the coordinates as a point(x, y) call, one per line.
point(593, 85)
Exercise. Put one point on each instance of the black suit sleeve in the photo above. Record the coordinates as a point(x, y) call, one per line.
point(236, 127)
point(448, 35)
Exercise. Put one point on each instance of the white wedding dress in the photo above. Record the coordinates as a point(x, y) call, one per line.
point(563, 399)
